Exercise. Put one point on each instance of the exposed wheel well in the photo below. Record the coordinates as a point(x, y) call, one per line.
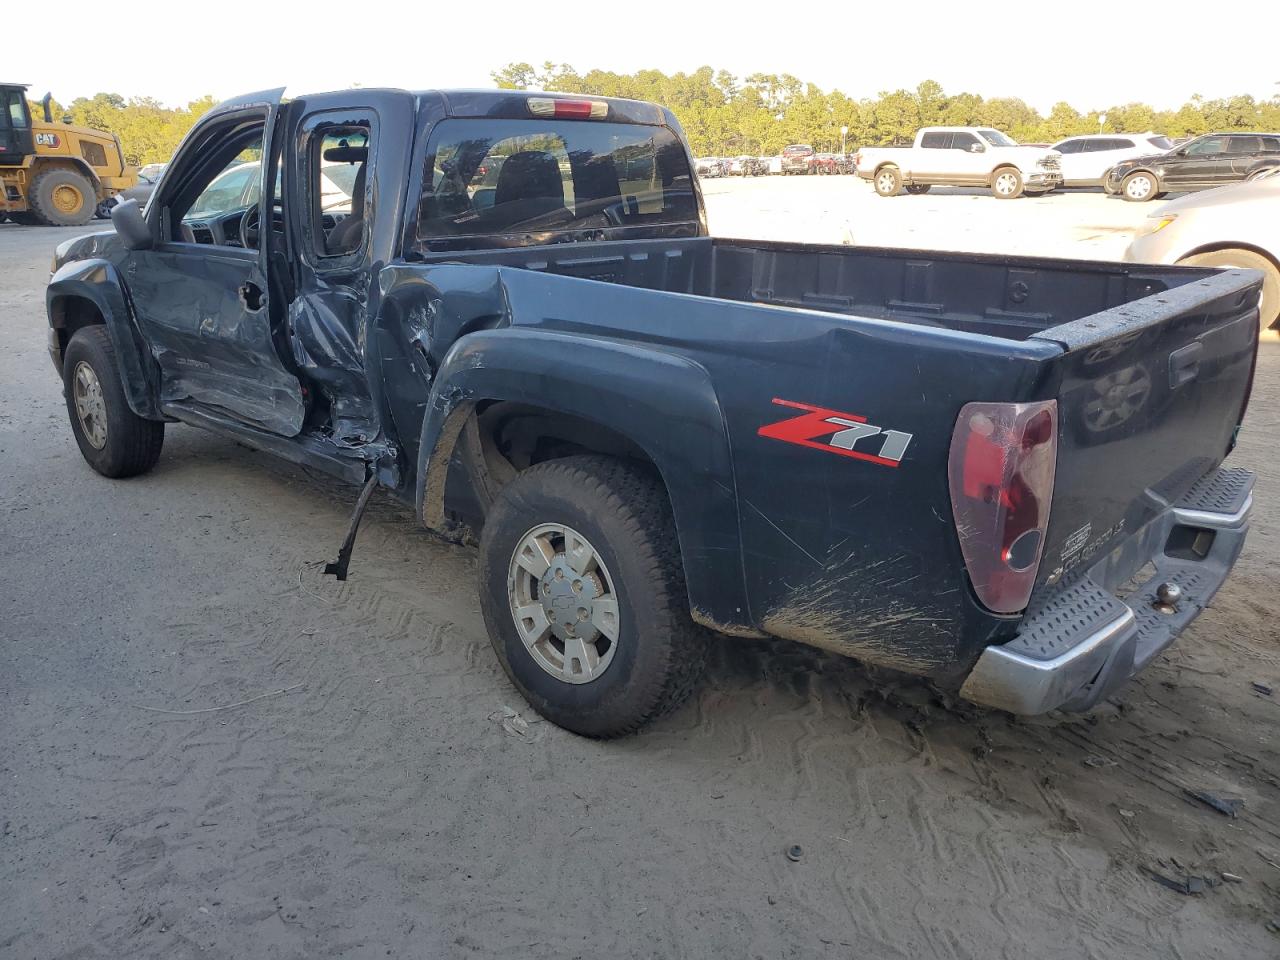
point(69, 314)
point(498, 440)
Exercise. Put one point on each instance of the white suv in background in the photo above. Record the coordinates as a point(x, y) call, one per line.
point(1086, 160)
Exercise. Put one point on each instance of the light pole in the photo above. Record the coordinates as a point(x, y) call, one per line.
point(1102, 119)
point(844, 132)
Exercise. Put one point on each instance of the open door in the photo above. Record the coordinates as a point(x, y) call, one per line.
point(202, 294)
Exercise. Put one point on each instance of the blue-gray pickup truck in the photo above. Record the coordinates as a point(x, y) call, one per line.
point(504, 308)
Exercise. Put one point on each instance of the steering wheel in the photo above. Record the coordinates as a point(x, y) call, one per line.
point(249, 228)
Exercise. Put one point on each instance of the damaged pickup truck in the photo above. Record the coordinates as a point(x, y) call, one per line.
point(1000, 473)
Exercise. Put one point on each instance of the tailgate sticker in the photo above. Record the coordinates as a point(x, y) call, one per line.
point(846, 434)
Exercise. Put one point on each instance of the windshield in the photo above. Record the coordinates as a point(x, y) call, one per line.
point(1160, 143)
point(499, 178)
point(997, 139)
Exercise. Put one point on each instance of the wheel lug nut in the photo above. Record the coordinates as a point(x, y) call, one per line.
point(559, 574)
point(582, 613)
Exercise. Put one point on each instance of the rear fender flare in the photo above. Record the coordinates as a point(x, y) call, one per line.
point(661, 401)
point(98, 282)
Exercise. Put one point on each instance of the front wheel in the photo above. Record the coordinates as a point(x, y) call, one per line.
point(113, 439)
point(1269, 306)
point(1139, 187)
point(583, 594)
point(1006, 184)
point(888, 182)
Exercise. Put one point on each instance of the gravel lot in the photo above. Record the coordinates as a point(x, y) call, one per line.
point(207, 750)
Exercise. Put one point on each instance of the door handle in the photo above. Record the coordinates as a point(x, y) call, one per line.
point(250, 296)
point(1184, 364)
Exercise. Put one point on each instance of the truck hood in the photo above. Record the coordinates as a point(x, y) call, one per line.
point(1266, 191)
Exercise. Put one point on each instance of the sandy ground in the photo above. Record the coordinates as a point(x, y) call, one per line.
point(206, 750)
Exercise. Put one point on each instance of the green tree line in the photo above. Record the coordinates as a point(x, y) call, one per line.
point(149, 131)
point(725, 116)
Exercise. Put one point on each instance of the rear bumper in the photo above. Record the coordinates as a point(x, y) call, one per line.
point(1080, 643)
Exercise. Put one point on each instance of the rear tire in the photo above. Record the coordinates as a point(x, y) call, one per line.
point(1269, 308)
point(888, 182)
point(1259, 174)
point(1006, 184)
point(1140, 187)
point(918, 189)
point(628, 562)
point(113, 439)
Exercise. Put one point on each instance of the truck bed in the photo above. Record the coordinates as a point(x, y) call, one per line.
point(1011, 298)
point(1149, 367)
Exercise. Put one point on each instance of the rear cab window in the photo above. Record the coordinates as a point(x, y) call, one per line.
point(506, 182)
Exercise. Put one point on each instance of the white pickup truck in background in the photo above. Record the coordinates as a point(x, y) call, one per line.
point(961, 157)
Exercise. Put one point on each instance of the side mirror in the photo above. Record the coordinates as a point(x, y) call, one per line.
point(977, 148)
point(127, 218)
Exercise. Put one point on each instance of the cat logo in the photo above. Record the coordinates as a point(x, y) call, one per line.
point(843, 432)
point(48, 140)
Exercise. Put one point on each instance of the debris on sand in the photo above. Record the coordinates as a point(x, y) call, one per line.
point(1262, 688)
point(1093, 760)
point(1232, 878)
point(1188, 886)
point(795, 852)
point(1227, 806)
point(516, 725)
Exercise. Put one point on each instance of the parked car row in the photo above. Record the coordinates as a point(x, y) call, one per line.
point(796, 159)
point(961, 157)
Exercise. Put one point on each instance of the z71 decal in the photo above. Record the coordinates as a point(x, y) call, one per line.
point(844, 433)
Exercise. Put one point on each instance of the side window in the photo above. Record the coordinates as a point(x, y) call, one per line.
point(1069, 146)
point(338, 159)
point(234, 188)
point(1094, 146)
point(1207, 147)
point(1244, 145)
point(1122, 144)
point(1271, 144)
point(17, 115)
point(936, 141)
point(962, 141)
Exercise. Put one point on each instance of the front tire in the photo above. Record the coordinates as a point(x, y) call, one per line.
point(583, 594)
point(63, 198)
point(1269, 308)
point(113, 439)
point(888, 182)
point(1006, 184)
point(1139, 187)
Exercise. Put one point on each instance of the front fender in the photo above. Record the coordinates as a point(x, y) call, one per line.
point(98, 282)
point(662, 401)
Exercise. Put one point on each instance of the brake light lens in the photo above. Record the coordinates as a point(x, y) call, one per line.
point(568, 109)
point(1001, 470)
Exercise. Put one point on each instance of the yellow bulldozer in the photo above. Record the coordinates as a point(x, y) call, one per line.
point(55, 173)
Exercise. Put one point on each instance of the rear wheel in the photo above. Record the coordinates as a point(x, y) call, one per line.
point(1265, 172)
point(916, 189)
point(1269, 308)
point(63, 198)
point(113, 439)
point(583, 594)
point(1006, 184)
point(888, 182)
point(1139, 187)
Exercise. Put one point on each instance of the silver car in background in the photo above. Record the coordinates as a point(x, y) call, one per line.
point(1234, 226)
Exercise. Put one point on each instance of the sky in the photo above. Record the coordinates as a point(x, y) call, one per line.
point(1089, 55)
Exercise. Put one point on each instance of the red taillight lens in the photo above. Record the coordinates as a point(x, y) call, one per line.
point(568, 109)
point(1001, 467)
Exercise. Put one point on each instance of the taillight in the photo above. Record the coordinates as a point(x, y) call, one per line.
point(1001, 467)
point(568, 109)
